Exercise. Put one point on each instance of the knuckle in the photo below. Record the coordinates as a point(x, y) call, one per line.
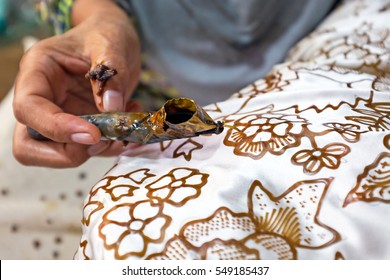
point(60, 127)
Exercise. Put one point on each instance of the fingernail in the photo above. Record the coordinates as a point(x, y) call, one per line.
point(82, 138)
point(98, 148)
point(112, 101)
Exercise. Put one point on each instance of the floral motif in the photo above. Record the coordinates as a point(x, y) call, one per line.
point(178, 186)
point(326, 94)
point(315, 159)
point(376, 118)
point(350, 132)
point(365, 47)
point(271, 229)
point(373, 184)
point(273, 82)
point(129, 228)
point(117, 187)
point(368, 34)
point(256, 134)
point(123, 185)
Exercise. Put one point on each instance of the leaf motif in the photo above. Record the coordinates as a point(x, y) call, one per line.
point(363, 120)
point(222, 224)
point(139, 176)
point(284, 221)
point(186, 149)
point(342, 126)
point(374, 183)
point(351, 136)
point(293, 214)
point(165, 145)
point(119, 191)
point(383, 107)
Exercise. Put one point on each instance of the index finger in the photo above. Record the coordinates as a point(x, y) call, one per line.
point(34, 106)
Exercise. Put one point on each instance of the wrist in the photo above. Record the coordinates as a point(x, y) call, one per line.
point(84, 9)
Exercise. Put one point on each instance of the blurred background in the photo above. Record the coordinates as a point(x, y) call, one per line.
point(17, 20)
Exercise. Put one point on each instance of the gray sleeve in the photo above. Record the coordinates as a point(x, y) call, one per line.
point(125, 5)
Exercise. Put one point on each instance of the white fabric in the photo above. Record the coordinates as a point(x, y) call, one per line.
point(300, 172)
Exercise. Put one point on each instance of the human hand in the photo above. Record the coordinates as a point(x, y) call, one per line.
point(51, 89)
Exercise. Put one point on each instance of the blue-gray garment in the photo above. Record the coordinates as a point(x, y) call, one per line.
point(208, 49)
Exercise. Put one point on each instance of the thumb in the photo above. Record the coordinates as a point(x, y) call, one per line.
point(113, 78)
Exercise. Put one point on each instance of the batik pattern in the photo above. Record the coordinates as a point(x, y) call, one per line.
point(301, 170)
